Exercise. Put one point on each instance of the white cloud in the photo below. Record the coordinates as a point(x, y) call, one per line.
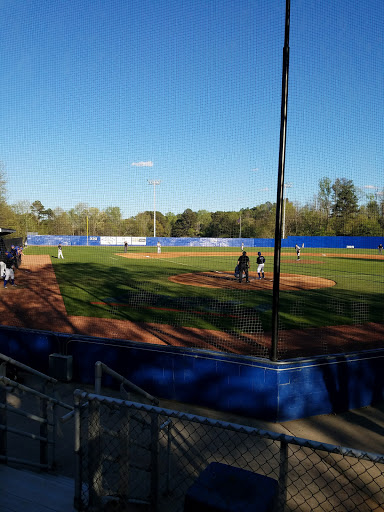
point(142, 164)
point(369, 186)
point(256, 169)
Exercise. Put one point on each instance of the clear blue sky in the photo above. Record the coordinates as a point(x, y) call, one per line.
point(99, 96)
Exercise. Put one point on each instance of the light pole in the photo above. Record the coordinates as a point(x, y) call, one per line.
point(154, 183)
point(286, 185)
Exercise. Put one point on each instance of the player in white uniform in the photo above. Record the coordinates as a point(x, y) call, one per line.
point(2, 269)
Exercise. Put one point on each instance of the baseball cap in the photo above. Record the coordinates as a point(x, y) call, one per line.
point(259, 253)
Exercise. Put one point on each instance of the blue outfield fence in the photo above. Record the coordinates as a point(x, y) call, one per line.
point(330, 242)
point(334, 242)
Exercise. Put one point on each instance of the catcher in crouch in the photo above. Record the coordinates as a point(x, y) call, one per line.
point(243, 264)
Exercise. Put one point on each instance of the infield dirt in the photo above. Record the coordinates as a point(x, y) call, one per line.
point(37, 304)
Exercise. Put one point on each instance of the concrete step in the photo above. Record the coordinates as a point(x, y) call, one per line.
point(22, 491)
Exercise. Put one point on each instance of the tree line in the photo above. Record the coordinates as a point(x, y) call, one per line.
point(335, 210)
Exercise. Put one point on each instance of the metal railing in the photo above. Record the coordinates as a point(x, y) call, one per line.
point(119, 460)
point(9, 362)
point(100, 369)
point(40, 413)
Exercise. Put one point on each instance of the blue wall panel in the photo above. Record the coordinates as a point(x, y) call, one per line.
point(249, 386)
point(263, 242)
point(63, 240)
point(336, 242)
point(200, 242)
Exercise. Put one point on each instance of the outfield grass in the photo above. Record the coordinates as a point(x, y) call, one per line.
point(96, 282)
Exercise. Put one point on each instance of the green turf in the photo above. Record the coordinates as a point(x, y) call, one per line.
point(94, 281)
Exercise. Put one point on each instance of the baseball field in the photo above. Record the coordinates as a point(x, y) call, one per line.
point(330, 300)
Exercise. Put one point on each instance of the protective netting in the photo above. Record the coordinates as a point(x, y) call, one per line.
point(159, 122)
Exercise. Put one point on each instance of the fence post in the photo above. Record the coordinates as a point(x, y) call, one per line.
point(154, 460)
point(169, 455)
point(44, 432)
point(3, 421)
point(53, 410)
point(98, 377)
point(95, 467)
point(78, 454)
point(168, 425)
point(125, 455)
point(282, 496)
point(280, 188)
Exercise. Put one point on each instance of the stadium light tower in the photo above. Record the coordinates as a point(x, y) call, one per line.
point(154, 183)
point(286, 185)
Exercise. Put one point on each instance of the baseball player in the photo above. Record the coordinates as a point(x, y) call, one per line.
point(260, 265)
point(59, 252)
point(9, 272)
point(18, 255)
point(237, 272)
point(2, 269)
point(158, 247)
point(13, 252)
point(243, 263)
point(297, 252)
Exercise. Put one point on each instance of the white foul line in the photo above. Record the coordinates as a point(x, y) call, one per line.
point(177, 262)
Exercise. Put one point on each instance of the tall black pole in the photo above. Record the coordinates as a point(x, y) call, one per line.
point(280, 189)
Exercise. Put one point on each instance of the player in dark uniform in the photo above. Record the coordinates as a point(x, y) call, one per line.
point(243, 263)
point(13, 251)
point(260, 265)
point(9, 273)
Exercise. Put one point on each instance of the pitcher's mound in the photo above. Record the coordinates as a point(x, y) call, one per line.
point(216, 279)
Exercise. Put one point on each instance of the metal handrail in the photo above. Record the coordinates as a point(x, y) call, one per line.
point(101, 367)
point(32, 391)
point(24, 367)
point(44, 438)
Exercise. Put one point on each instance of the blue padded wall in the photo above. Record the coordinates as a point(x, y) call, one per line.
point(271, 391)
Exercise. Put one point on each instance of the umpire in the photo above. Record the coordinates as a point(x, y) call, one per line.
point(243, 263)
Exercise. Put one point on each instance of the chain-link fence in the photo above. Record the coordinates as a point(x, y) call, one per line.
point(130, 454)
